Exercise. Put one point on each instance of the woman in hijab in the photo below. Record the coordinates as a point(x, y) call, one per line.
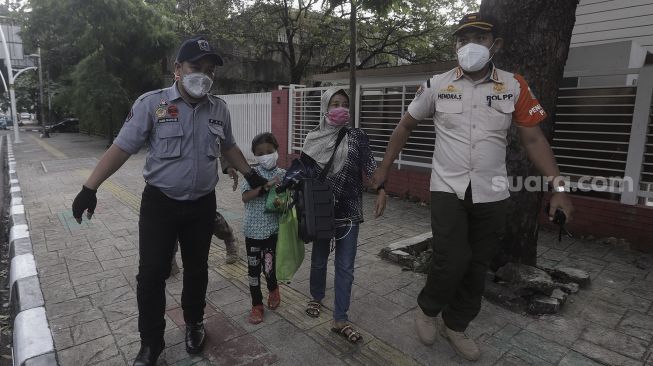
point(352, 159)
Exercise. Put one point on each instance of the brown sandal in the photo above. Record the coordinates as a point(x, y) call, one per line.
point(348, 332)
point(313, 309)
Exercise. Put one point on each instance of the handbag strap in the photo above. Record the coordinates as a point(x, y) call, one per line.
point(327, 167)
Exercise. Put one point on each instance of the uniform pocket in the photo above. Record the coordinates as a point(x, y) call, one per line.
point(168, 140)
point(449, 113)
point(213, 139)
point(500, 115)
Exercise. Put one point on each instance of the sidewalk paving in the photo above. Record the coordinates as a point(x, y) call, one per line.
point(88, 271)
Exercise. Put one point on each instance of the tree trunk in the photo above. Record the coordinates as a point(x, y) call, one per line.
point(537, 36)
point(352, 59)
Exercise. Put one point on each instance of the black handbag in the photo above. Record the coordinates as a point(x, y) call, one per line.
point(314, 203)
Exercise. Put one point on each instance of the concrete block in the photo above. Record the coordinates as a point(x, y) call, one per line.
point(20, 247)
point(18, 232)
point(47, 359)
point(17, 210)
point(22, 266)
point(25, 294)
point(16, 220)
point(32, 336)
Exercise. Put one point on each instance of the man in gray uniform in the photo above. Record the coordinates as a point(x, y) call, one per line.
point(185, 130)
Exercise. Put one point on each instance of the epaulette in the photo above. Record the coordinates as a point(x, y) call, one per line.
point(159, 91)
point(218, 98)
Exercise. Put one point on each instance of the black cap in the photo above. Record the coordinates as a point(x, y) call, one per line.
point(195, 48)
point(475, 21)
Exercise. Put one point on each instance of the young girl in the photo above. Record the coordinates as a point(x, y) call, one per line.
point(261, 227)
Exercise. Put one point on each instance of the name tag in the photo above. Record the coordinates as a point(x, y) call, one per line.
point(216, 122)
point(166, 120)
point(450, 96)
point(499, 97)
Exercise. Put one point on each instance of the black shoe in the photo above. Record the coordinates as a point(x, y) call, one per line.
point(195, 337)
point(147, 355)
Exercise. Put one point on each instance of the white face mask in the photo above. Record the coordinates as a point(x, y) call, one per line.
point(473, 57)
point(269, 161)
point(197, 84)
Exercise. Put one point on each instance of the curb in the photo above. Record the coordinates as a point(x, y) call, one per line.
point(32, 339)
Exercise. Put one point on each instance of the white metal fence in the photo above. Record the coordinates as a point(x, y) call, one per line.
point(251, 114)
point(380, 106)
point(607, 132)
point(600, 131)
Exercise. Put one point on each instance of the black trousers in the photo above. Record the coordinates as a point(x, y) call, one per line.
point(163, 220)
point(261, 258)
point(466, 237)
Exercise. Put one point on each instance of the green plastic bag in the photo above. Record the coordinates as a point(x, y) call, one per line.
point(290, 248)
point(276, 202)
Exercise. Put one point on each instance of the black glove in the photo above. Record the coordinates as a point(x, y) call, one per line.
point(85, 200)
point(254, 179)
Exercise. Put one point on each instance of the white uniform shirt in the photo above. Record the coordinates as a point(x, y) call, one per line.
point(471, 122)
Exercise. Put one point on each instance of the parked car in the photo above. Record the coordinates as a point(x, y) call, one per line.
point(24, 116)
point(65, 125)
point(3, 123)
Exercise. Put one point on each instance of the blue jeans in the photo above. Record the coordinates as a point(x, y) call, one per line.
point(344, 262)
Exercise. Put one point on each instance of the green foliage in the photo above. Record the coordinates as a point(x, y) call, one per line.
point(27, 91)
point(407, 31)
point(104, 53)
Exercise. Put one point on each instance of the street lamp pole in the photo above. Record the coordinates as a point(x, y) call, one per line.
point(47, 77)
point(12, 93)
point(41, 107)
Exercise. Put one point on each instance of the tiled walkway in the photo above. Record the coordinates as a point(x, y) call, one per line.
point(88, 277)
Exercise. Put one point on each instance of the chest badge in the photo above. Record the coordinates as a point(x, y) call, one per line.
point(450, 93)
point(161, 110)
point(499, 88)
point(173, 111)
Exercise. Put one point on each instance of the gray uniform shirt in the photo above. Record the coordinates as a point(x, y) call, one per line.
point(184, 143)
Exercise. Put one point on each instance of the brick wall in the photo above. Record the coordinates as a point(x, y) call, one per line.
point(605, 218)
point(280, 124)
point(410, 183)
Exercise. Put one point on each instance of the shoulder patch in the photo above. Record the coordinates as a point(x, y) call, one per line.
point(419, 91)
